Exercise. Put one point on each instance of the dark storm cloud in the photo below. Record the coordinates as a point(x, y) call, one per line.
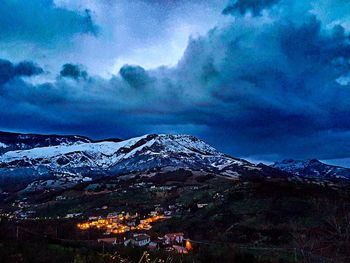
point(276, 84)
point(269, 86)
point(27, 68)
point(136, 76)
point(9, 71)
point(245, 6)
point(73, 71)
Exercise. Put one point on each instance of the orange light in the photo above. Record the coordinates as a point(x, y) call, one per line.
point(115, 227)
point(188, 245)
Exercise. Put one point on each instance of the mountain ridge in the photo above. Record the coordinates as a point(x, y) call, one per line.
point(61, 161)
point(144, 154)
point(312, 168)
point(10, 141)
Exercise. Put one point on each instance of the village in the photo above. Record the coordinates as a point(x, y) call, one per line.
point(129, 230)
point(121, 223)
point(138, 216)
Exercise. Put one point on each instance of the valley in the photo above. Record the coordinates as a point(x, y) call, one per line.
point(273, 220)
point(205, 207)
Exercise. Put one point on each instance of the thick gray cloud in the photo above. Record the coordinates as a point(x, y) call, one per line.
point(272, 85)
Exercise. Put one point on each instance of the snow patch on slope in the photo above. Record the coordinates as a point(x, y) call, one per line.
point(3, 145)
point(105, 148)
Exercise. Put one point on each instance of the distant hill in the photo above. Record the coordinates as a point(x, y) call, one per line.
point(312, 168)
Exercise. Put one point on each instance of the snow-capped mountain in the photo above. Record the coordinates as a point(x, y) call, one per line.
point(148, 153)
point(312, 168)
point(16, 141)
point(136, 154)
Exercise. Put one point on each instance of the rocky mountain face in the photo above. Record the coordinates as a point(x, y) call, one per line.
point(147, 154)
point(312, 169)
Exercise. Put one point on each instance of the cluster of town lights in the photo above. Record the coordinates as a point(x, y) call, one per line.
point(116, 225)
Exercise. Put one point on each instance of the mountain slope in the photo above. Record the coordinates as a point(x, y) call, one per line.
point(136, 154)
point(312, 168)
point(16, 141)
point(145, 154)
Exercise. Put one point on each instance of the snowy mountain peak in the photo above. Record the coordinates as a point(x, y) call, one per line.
point(109, 154)
point(146, 154)
point(182, 142)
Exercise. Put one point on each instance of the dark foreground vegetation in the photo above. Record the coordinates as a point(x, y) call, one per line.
point(45, 252)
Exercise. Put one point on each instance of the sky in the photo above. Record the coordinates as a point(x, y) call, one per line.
point(258, 79)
